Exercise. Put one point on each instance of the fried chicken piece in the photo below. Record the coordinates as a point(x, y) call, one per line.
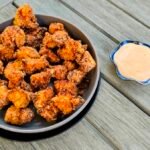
point(26, 86)
point(34, 38)
point(75, 76)
point(87, 63)
point(40, 80)
point(6, 53)
point(69, 65)
point(42, 97)
point(12, 37)
point(72, 50)
point(45, 108)
point(65, 87)
point(50, 55)
point(58, 71)
point(27, 52)
point(1, 67)
point(66, 103)
point(53, 27)
point(18, 116)
point(34, 64)
point(14, 73)
point(19, 97)
point(3, 94)
point(25, 17)
point(57, 39)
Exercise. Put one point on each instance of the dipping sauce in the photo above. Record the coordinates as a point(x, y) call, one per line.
point(133, 61)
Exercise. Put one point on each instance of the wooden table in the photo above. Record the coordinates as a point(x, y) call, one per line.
point(119, 118)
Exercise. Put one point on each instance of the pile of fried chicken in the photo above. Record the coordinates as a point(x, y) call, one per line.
point(40, 66)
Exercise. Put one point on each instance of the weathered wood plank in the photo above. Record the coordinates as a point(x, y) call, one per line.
point(137, 8)
point(7, 12)
point(4, 3)
point(137, 93)
point(81, 136)
point(126, 125)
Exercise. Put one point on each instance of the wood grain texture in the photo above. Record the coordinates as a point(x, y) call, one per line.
point(136, 8)
point(119, 120)
point(4, 3)
point(137, 93)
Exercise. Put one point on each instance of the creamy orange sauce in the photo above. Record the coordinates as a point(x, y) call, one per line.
point(133, 61)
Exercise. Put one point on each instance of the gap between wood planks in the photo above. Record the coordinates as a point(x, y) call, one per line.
point(129, 14)
point(110, 37)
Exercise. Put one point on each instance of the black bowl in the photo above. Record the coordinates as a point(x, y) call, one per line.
point(39, 125)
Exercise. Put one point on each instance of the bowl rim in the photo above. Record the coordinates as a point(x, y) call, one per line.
point(112, 54)
point(76, 113)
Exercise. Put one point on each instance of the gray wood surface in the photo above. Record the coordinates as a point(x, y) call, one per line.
point(103, 43)
point(138, 9)
point(113, 122)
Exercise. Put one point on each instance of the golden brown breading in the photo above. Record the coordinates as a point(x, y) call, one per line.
point(12, 37)
point(18, 116)
point(25, 18)
point(63, 103)
point(1, 67)
point(58, 71)
point(67, 103)
point(40, 80)
point(57, 39)
point(42, 97)
point(53, 27)
point(26, 86)
point(34, 37)
point(44, 106)
point(14, 73)
point(3, 94)
point(6, 53)
point(34, 64)
point(87, 63)
point(67, 52)
point(20, 98)
point(65, 87)
point(26, 52)
point(75, 76)
point(69, 65)
point(50, 55)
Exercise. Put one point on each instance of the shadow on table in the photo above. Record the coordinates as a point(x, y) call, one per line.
point(30, 137)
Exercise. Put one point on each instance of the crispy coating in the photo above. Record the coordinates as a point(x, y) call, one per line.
point(58, 71)
point(34, 64)
point(14, 73)
point(26, 86)
point(27, 52)
point(12, 37)
point(87, 63)
point(66, 103)
point(44, 106)
point(1, 67)
point(34, 37)
point(65, 87)
point(69, 65)
point(75, 76)
point(25, 18)
point(40, 80)
point(6, 53)
point(3, 94)
point(53, 27)
point(42, 97)
point(18, 116)
point(20, 98)
point(57, 39)
point(50, 55)
point(72, 50)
